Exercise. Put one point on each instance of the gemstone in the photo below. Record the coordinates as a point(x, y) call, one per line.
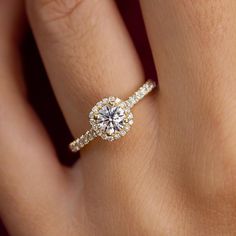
point(99, 104)
point(111, 120)
point(91, 114)
point(130, 116)
point(123, 133)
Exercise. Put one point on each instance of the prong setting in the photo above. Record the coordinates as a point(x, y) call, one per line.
point(111, 118)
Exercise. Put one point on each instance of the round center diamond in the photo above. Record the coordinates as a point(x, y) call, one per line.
point(111, 118)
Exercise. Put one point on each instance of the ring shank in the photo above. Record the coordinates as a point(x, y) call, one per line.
point(80, 142)
point(143, 91)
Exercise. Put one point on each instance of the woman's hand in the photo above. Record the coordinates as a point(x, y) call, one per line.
point(174, 173)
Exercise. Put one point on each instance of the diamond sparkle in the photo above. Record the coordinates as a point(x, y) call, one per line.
point(111, 118)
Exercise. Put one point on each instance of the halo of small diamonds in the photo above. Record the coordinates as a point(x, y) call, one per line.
point(111, 118)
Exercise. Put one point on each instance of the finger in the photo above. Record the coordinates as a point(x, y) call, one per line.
point(193, 43)
point(28, 165)
point(87, 56)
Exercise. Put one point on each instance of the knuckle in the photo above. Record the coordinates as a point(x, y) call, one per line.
point(53, 10)
point(60, 19)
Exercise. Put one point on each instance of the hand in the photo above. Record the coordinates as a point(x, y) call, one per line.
point(174, 173)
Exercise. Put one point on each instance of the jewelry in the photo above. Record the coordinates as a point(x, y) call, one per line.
point(111, 118)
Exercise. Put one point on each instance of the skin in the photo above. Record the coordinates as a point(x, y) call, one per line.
point(179, 178)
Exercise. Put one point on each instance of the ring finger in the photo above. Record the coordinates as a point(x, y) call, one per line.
point(87, 52)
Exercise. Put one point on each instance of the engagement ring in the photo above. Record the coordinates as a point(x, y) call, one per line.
point(111, 118)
